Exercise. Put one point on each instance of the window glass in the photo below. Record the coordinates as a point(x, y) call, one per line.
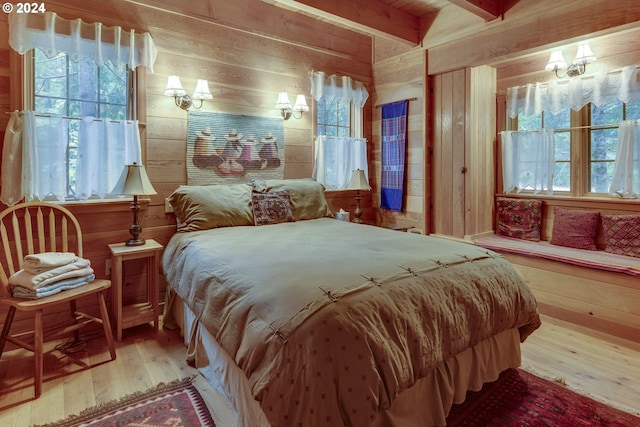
point(77, 89)
point(632, 111)
point(530, 122)
point(603, 144)
point(561, 122)
point(562, 171)
point(333, 117)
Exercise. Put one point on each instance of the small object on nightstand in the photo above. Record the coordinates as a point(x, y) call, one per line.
point(135, 314)
point(342, 215)
point(358, 182)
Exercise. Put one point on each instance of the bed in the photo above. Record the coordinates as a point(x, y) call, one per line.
point(299, 319)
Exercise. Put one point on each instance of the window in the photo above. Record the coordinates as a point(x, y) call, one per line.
point(560, 123)
point(339, 146)
point(79, 89)
point(586, 143)
point(333, 117)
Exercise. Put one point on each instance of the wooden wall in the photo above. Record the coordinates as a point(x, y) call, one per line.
point(404, 77)
point(249, 51)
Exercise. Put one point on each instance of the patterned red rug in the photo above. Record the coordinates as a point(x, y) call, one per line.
point(518, 398)
point(177, 404)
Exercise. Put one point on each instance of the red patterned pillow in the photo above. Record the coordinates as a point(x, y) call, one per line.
point(622, 234)
point(519, 218)
point(271, 208)
point(575, 228)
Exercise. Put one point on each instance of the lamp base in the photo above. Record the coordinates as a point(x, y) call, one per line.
point(135, 242)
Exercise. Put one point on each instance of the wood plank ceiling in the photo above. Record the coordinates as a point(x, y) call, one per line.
point(412, 22)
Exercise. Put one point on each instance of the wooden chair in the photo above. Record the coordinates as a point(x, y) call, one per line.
point(30, 228)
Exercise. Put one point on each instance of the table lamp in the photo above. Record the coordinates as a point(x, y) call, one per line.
point(358, 182)
point(134, 182)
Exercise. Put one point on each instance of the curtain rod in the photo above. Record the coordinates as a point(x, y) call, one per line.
point(408, 99)
point(95, 119)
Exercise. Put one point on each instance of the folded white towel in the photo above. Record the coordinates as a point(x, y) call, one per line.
point(76, 282)
point(46, 272)
point(79, 268)
point(49, 259)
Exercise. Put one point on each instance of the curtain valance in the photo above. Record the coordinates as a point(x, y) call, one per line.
point(342, 87)
point(557, 95)
point(80, 40)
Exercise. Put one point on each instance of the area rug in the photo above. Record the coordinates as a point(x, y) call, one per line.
point(176, 404)
point(519, 398)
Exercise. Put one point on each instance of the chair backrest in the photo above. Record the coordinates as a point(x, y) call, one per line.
point(35, 227)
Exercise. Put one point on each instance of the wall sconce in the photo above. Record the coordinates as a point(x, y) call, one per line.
point(184, 101)
point(577, 68)
point(284, 105)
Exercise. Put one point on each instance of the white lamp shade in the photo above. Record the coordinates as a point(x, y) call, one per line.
point(301, 104)
point(202, 90)
point(283, 101)
point(556, 61)
point(134, 182)
point(174, 87)
point(584, 55)
point(358, 181)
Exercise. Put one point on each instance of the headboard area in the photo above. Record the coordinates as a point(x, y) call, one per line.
point(259, 202)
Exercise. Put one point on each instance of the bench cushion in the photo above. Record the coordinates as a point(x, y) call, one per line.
point(586, 258)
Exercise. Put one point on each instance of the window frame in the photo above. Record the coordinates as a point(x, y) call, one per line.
point(580, 131)
point(136, 110)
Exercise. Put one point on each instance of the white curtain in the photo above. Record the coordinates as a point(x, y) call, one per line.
point(626, 170)
point(557, 95)
point(335, 159)
point(342, 87)
point(11, 185)
point(53, 34)
point(528, 160)
point(38, 154)
point(44, 150)
point(104, 147)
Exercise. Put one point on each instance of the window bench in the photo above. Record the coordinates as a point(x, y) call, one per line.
point(595, 289)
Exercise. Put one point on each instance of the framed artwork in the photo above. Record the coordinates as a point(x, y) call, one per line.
point(227, 148)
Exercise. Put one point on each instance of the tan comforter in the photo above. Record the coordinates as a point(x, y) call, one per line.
point(330, 320)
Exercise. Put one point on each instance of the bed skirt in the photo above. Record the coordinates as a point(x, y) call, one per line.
point(426, 403)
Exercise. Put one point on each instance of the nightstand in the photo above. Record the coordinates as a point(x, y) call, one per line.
point(135, 314)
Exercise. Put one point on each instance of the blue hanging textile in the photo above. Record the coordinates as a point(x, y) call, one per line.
point(394, 138)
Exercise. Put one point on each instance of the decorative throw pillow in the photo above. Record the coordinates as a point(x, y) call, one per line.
point(307, 196)
point(202, 207)
point(272, 208)
point(519, 218)
point(575, 228)
point(622, 234)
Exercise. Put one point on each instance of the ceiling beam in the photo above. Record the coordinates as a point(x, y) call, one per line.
point(486, 9)
point(369, 16)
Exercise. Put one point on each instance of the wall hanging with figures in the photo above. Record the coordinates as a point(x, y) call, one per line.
point(231, 148)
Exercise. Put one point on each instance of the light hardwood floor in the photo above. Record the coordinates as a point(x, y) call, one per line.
point(605, 367)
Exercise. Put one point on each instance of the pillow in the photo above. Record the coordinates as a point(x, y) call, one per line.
point(575, 228)
point(622, 234)
point(202, 207)
point(519, 218)
point(307, 197)
point(271, 208)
